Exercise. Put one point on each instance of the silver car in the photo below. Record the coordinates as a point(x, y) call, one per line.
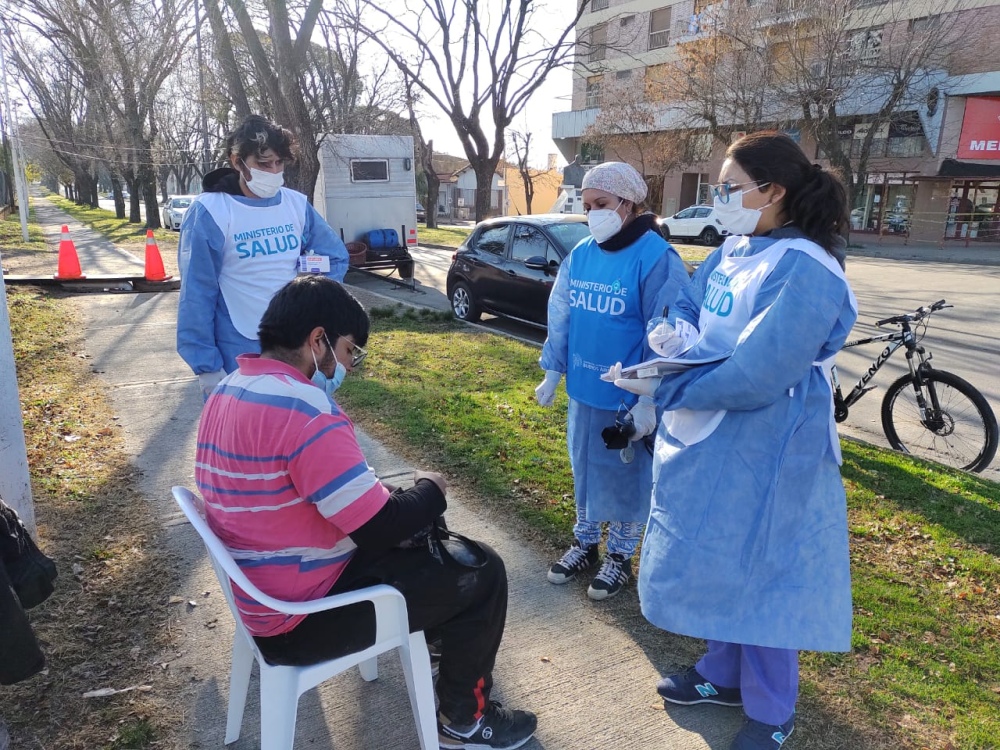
point(174, 210)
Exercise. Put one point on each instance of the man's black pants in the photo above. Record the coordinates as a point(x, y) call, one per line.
point(464, 607)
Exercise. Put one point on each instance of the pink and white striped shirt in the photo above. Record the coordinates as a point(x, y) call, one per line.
point(284, 483)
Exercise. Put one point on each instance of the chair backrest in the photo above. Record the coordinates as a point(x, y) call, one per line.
point(222, 561)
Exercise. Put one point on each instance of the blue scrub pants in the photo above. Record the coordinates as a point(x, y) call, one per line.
point(768, 678)
point(623, 537)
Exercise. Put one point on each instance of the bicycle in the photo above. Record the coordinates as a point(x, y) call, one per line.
point(928, 413)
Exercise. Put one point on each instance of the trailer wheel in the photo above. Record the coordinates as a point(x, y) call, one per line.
point(463, 305)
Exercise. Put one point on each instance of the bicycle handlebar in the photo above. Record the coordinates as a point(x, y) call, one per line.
point(919, 314)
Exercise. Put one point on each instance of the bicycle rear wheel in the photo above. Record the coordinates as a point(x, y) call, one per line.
point(961, 431)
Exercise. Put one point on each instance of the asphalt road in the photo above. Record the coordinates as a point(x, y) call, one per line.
point(963, 340)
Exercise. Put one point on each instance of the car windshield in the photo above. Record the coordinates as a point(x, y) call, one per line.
point(568, 233)
point(180, 203)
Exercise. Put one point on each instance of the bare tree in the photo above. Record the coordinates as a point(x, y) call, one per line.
point(628, 127)
point(850, 58)
point(425, 157)
point(122, 52)
point(473, 60)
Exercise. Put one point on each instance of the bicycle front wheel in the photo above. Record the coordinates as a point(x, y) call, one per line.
point(958, 428)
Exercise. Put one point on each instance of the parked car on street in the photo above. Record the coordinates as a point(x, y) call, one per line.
point(421, 213)
point(174, 210)
point(508, 264)
point(693, 223)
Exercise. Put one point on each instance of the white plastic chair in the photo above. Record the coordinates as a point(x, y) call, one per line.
point(281, 686)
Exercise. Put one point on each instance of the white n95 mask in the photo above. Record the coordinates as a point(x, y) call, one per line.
point(605, 223)
point(734, 216)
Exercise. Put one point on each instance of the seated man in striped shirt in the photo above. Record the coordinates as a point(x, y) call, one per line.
point(289, 492)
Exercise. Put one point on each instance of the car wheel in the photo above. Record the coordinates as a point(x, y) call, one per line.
point(665, 232)
point(463, 305)
point(710, 236)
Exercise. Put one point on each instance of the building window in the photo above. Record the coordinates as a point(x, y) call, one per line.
point(866, 45)
point(927, 23)
point(626, 21)
point(369, 170)
point(598, 43)
point(623, 75)
point(593, 93)
point(659, 28)
point(596, 5)
point(591, 153)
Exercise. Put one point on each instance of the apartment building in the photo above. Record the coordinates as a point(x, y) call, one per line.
point(933, 160)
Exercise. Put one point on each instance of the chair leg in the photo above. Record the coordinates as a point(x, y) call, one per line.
point(279, 704)
point(369, 669)
point(420, 685)
point(239, 685)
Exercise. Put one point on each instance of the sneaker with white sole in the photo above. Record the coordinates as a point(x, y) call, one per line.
point(498, 729)
point(576, 560)
point(689, 688)
point(756, 735)
point(611, 578)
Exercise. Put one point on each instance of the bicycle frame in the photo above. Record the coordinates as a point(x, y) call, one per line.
point(896, 339)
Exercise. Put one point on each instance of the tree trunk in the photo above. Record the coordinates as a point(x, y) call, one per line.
point(433, 193)
point(484, 186)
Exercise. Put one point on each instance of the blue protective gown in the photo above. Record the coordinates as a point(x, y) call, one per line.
point(587, 333)
point(206, 337)
point(747, 538)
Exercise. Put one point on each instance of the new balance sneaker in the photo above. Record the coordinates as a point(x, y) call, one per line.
point(755, 735)
point(576, 560)
point(689, 688)
point(499, 729)
point(611, 578)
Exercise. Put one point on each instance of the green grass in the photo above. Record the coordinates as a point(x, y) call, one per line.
point(12, 239)
point(925, 663)
point(116, 230)
point(447, 236)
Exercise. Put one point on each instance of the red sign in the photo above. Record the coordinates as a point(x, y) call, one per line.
point(980, 129)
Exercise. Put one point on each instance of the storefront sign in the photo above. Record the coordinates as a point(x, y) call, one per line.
point(980, 129)
point(862, 128)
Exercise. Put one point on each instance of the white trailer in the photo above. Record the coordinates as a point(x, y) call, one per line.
point(367, 183)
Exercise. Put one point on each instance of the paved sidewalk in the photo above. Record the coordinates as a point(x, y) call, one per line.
point(588, 670)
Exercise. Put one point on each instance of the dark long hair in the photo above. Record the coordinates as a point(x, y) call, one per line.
point(815, 199)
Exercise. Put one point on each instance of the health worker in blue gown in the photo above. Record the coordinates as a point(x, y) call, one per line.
point(606, 290)
point(240, 243)
point(747, 541)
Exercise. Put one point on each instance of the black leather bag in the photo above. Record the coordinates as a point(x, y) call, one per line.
point(30, 571)
point(20, 656)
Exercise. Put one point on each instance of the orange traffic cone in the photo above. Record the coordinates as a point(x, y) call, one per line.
point(154, 263)
point(69, 263)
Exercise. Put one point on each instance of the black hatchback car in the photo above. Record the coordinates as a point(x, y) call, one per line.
point(507, 265)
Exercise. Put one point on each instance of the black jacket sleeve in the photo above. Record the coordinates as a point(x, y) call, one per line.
point(405, 513)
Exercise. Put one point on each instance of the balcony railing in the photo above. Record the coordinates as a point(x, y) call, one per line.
point(658, 39)
point(596, 5)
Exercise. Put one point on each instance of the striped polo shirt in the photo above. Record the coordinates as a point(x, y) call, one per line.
point(284, 483)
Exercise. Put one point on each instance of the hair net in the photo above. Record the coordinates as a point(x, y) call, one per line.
point(617, 178)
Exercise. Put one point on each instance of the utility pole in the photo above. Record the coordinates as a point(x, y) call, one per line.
point(15, 482)
point(205, 153)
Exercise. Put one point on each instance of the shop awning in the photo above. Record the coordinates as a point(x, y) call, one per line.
point(956, 168)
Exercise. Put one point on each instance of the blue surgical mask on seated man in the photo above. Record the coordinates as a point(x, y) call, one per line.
point(329, 385)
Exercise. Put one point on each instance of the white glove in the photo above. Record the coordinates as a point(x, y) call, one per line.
point(639, 386)
point(208, 381)
point(663, 338)
point(643, 417)
point(545, 393)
